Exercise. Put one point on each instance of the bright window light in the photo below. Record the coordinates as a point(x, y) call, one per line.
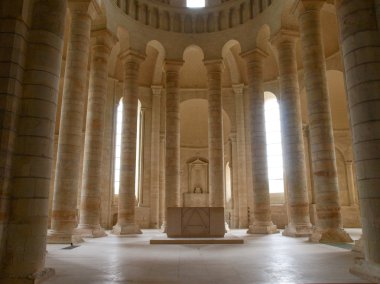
point(119, 123)
point(195, 3)
point(274, 149)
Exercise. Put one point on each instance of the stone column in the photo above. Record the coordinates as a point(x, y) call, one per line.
point(155, 157)
point(329, 222)
point(172, 169)
point(241, 156)
point(64, 212)
point(292, 137)
point(162, 160)
point(126, 223)
point(360, 42)
point(89, 222)
point(13, 36)
point(215, 133)
point(262, 223)
point(234, 163)
point(25, 239)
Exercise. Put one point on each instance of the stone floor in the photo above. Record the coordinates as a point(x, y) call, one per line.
point(262, 259)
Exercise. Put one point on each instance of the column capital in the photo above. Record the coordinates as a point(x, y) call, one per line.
point(103, 38)
point(214, 65)
point(88, 7)
point(156, 90)
point(285, 36)
point(254, 54)
point(131, 56)
point(173, 65)
point(303, 6)
point(238, 89)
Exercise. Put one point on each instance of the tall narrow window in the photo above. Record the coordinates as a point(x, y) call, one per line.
point(119, 123)
point(195, 3)
point(274, 149)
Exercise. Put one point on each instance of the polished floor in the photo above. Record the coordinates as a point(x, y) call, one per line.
point(261, 259)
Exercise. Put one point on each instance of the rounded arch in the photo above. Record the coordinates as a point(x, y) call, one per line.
point(157, 61)
point(193, 73)
point(230, 53)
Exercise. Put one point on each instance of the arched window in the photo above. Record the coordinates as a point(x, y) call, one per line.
point(119, 123)
point(195, 3)
point(228, 184)
point(274, 148)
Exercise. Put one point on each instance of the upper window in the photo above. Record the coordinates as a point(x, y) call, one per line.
point(195, 3)
point(274, 149)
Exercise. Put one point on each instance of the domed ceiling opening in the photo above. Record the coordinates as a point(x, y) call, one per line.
point(194, 124)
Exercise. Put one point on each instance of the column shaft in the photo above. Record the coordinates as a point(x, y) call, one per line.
point(155, 157)
point(24, 254)
point(292, 139)
point(64, 215)
point(89, 222)
point(162, 161)
point(262, 223)
point(329, 222)
point(126, 223)
point(241, 156)
point(215, 134)
point(172, 171)
point(12, 44)
point(360, 41)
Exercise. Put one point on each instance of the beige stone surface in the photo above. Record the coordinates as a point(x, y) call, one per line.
point(329, 224)
point(360, 44)
point(23, 257)
point(126, 223)
point(64, 212)
point(292, 137)
point(261, 223)
point(89, 221)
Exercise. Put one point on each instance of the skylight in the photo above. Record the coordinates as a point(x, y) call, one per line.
point(195, 3)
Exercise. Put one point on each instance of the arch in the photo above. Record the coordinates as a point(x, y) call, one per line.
point(231, 60)
point(193, 73)
point(157, 72)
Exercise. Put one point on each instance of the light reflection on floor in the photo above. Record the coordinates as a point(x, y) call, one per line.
point(262, 259)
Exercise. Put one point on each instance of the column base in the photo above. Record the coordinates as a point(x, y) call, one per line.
point(358, 249)
point(85, 231)
point(54, 237)
point(226, 227)
point(298, 231)
point(269, 228)
point(330, 236)
point(126, 229)
point(34, 278)
point(366, 270)
point(164, 227)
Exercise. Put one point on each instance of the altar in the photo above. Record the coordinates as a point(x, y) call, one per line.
point(195, 222)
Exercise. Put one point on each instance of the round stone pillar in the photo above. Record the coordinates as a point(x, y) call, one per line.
point(360, 42)
point(24, 251)
point(155, 157)
point(89, 222)
point(64, 211)
point(172, 171)
point(329, 221)
point(126, 223)
point(262, 223)
point(215, 133)
point(292, 137)
point(241, 160)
